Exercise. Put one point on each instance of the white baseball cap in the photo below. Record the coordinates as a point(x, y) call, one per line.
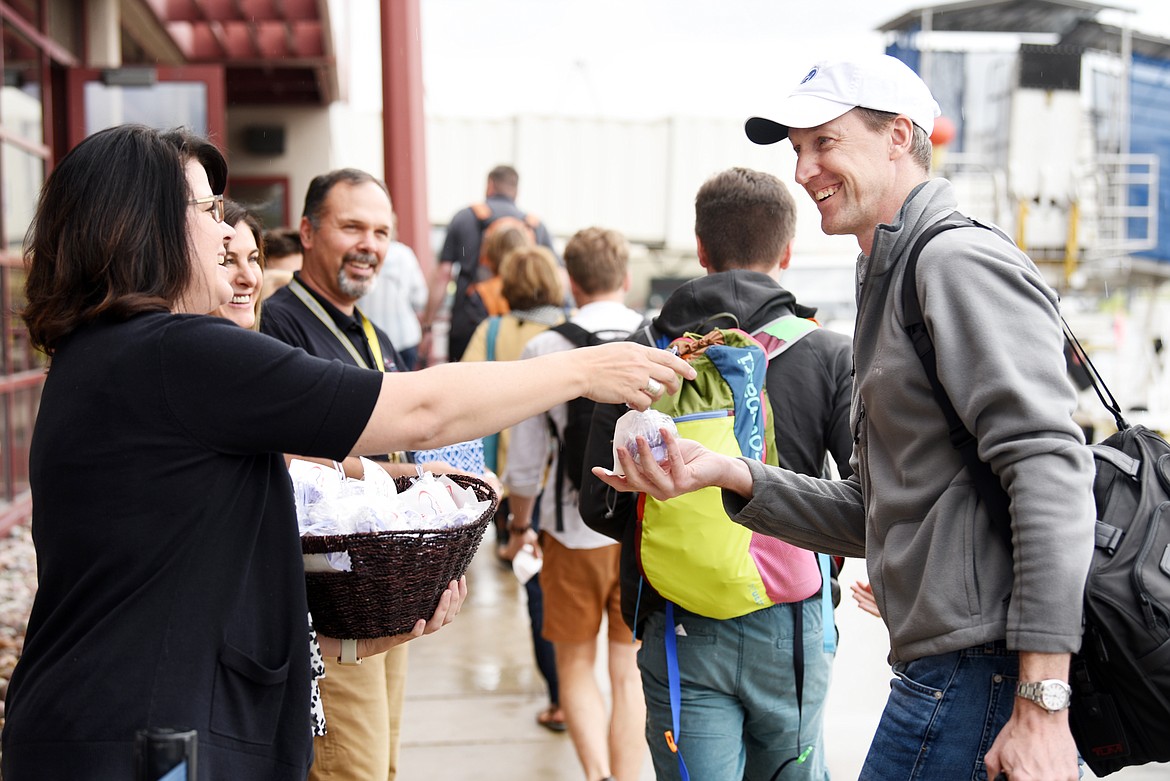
point(831, 88)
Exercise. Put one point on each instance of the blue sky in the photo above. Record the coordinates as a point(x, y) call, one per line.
point(642, 59)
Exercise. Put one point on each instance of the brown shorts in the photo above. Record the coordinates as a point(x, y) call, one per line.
point(578, 586)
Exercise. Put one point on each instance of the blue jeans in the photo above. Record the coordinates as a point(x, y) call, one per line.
point(546, 657)
point(943, 714)
point(739, 717)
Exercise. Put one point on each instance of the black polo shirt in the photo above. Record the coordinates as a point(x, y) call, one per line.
point(287, 318)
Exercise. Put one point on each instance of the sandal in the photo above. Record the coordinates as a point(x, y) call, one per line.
point(548, 718)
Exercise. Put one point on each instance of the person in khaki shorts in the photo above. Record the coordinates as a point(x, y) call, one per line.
point(345, 233)
point(580, 577)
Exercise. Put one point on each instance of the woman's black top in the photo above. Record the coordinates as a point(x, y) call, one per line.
point(171, 589)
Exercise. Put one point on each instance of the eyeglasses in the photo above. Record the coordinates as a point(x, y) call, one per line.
point(216, 202)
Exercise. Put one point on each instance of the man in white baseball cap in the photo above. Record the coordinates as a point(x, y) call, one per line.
point(830, 89)
point(950, 591)
point(981, 628)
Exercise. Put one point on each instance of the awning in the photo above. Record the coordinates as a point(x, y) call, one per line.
point(274, 51)
point(1000, 16)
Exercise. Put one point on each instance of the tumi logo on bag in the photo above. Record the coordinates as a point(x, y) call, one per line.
point(1107, 751)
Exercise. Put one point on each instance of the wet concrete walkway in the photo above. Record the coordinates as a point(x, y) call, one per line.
point(473, 693)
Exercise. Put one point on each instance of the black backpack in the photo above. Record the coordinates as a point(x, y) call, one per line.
point(571, 441)
point(1120, 711)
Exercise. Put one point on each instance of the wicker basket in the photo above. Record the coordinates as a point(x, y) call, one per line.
point(397, 577)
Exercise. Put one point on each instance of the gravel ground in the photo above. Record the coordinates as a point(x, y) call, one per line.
point(18, 584)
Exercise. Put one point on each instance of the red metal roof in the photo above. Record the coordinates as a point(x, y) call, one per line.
point(274, 51)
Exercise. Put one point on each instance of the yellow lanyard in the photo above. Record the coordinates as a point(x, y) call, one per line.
point(315, 307)
point(372, 338)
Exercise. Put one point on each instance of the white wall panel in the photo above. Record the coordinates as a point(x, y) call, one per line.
point(637, 176)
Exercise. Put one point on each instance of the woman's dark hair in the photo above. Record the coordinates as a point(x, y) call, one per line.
point(109, 239)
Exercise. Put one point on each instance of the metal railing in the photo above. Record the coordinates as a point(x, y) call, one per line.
point(22, 377)
point(1127, 218)
point(1116, 205)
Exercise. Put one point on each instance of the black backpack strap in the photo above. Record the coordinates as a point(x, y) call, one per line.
point(986, 482)
point(576, 334)
point(709, 323)
point(559, 481)
point(580, 338)
point(1095, 378)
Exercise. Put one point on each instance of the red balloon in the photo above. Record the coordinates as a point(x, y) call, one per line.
point(944, 131)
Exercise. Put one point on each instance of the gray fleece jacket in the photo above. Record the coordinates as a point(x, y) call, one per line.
point(943, 578)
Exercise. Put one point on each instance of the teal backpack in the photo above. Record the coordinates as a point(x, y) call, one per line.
point(688, 549)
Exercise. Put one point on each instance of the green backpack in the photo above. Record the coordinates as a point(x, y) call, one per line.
point(688, 549)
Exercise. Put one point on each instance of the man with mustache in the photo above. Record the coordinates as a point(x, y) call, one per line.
point(346, 228)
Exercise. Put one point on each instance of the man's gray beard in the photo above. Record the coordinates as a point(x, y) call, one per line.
point(352, 288)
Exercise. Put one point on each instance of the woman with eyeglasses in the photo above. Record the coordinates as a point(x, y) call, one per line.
point(171, 588)
point(246, 262)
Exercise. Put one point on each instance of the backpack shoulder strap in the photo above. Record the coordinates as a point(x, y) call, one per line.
point(491, 296)
point(532, 221)
point(783, 332)
point(911, 309)
point(580, 337)
point(986, 482)
point(493, 331)
point(576, 334)
point(706, 325)
point(482, 212)
point(491, 442)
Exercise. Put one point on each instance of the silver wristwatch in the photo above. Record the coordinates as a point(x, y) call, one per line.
point(1052, 695)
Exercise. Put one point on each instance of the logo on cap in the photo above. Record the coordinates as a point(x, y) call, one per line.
point(811, 73)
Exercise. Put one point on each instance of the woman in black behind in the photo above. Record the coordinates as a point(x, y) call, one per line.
point(171, 586)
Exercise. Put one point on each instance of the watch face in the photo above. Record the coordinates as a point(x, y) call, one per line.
point(1053, 697)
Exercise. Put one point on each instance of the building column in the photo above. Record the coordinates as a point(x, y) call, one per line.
point(403, 125)
point(103, 34)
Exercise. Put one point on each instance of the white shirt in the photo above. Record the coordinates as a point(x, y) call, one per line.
point(398, 297)
point(533, 447)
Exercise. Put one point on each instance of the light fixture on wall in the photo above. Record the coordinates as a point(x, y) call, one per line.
point(265, 140)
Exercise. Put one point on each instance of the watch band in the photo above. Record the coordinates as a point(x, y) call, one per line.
point(349, 653)
point(514, 528)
